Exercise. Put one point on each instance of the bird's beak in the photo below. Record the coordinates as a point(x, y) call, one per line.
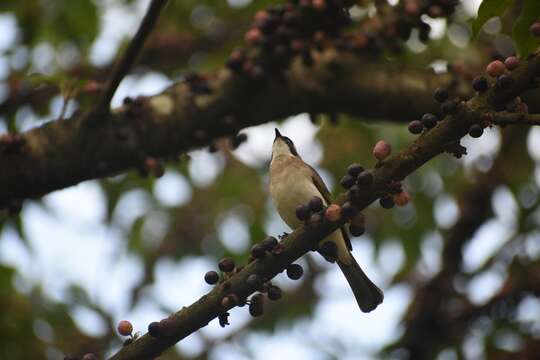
point(278, 134)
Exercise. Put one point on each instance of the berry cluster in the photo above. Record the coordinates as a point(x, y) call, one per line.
point(283, 31)
point(269, 246)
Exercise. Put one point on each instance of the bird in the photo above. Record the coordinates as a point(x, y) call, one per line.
point(292, 182)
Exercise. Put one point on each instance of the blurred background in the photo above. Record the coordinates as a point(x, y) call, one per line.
point(459, 265)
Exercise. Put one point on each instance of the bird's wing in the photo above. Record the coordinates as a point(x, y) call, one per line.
point(320, 185)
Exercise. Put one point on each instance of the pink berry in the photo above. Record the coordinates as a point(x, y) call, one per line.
point(535, 29)
point(125, 328)
point(261, 15)
point(495, 68)
point(381, 150)
point(333, 212)
point(402, 198)
point(253, 36)
point(511, 63)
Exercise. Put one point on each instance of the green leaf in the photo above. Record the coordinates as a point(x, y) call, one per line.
point(526, 43)
point(487, 10)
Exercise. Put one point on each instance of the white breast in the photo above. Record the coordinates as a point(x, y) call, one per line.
point(290, 185)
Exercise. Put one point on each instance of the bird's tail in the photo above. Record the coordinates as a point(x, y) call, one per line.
point(367, 294)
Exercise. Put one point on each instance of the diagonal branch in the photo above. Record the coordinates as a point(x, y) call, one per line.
point(122, 67)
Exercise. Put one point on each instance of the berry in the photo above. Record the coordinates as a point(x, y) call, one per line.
point(386, 202)
point(258, 251)
point(511, 63)
point(347, 181)
point(253, 36)
point(315, 220)
point(329, 251)
point(315, 204)
point(254, 281)
point(476, 130)
point(333, 212)
point(211, 277)
point(154, 329)
point(429, 120)
point(125, 328)
point(269, 243)
point(402, 198)
point(354, 169)
point(535, 29)
point(257, 299)
point(274, 293)
point(359, 220)
point(440, 95)
point(89, 356)
point(416, 127)
point(357, 230)
point(226, 265)
point(302, 212)
point(166, 326)
point(294, 271)
point(504, 81)
point(495, 68)
point(381, 150)
point(354, 192)
point(365, 178)
point(449, 106)
point(480, 84)
point(349, 210)
point(256, 309)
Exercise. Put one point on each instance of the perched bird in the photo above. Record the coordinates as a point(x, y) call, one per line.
point(294, 183)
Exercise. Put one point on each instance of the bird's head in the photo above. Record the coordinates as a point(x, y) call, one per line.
point(283, 146)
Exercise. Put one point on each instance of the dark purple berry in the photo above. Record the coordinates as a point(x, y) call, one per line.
point(257, 299)
point(348, 210)
point(449, 106)
point(365, 178)
point(274, 293)
point(254, 281)
point(504, 81)
point(258, 251)
point(429, 120)
point(440, 95)
point(269, 243)
point(480, 84)
point(294, 271)
point(154, 329)
point(347, 181)
point(354, 169)
point(387, 202)
point(226, 265)
point(211, 277)
point(256, 309)
point(357, 230)
point(315, 204)
point(354, 192)
point(416, 127)
point(329, 251)
point(476, 130)
point(302, 212)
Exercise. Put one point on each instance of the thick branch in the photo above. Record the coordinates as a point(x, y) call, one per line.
point(61, 154)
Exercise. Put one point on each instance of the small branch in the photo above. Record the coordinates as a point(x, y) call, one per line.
point(508, 118)
point(122, 67)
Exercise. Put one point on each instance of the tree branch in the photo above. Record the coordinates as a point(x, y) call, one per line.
point(122, 67)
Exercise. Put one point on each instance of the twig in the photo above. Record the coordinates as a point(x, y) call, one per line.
point(122, 67)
